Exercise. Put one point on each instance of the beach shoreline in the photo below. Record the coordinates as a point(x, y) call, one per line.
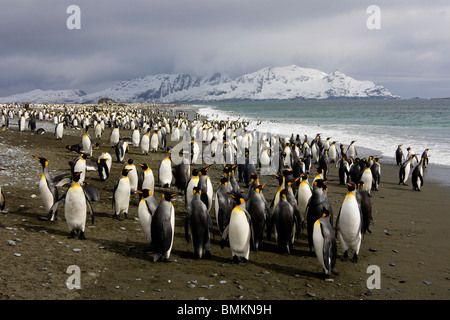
point(409, 242)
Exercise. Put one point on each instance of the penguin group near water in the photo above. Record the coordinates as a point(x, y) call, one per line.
point(411, 166)
point(149, 175)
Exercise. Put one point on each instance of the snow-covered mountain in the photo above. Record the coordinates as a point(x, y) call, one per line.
point(280, 83)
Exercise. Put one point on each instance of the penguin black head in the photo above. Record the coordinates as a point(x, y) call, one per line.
point(238, 199)
point(125, 172)
point(279, 177)
point(144, 166)
point(195, 172)
point(325, 212)
point(168, 195)
point(352, 186)
point(145, 192)
point(321, 183)
point(204, 171)
point(85, 156)
point(283, 193)
point(259, 188)
point(43, 161)
point(76, 176)
point(223, 181)
point(196, 189)
point(130, 161)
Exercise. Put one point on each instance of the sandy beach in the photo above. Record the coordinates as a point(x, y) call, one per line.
point(410, 242)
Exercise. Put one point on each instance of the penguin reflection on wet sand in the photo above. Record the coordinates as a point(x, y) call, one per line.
point(199, 222)
point(162, 228)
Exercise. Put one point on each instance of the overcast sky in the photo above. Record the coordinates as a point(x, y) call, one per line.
point(119, 40)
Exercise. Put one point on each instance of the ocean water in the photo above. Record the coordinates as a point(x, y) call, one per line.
point(377, 126)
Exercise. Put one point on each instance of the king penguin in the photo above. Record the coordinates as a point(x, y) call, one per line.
point(365, 205)
point(223, 204)
point(147, 180)
point(198, 221)
point(165, 172)
point(405, 170)
point(325, 243)
point(121, 195)
point(304, 192)
point(146, 208)
point(59, 130)
point(399, 155)
point(349, 223)
point(162, 228)
point(86, 143)
point(145, 142)
point(239, 232)
point(318, 200)
point(75, 208)
point(114, 136)
point(132, 175)
point(417, 175)
point(284, 221)
point(259, 212)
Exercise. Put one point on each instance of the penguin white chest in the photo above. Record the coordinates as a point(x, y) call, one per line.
point(145, 219)
point(350, 224)
point(318, 242)
point(122, 195)
point(47, 196)
point(239, 234)
point(75, 208)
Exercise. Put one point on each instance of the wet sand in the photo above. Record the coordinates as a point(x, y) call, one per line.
point(409, 242)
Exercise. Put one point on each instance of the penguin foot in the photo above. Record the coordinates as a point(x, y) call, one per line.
point(116, 216)
point(72, 235)
point(81, 236)
point(345, 256)
point(355, 258)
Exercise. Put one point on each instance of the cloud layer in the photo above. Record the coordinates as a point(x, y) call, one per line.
point(120, 40)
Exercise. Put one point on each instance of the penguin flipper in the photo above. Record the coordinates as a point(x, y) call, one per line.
point(54, 208)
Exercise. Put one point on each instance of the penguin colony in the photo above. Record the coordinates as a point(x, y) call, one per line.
point(235, 206)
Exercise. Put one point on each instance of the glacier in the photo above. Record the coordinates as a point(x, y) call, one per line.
point(270, 83)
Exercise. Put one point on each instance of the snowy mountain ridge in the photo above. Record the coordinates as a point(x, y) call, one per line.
point(278, 83)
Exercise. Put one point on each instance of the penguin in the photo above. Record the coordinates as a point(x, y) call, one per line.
point(59, 130)
point(417, 175)
point(165, 172)
point(425, 156)
point(146, 208)
point(76, 206)
point(48, 185)
point(114, 136)
point(205, 185)
point(147, 180)
point(22, 123)
point(223, 205)
point(103, 170)
point(376, 173)
point(86, 143)
point(405, 170)
point(132, 175)
point(349, 224)
point(325, 243)
point(199, 222)
point(351, 150)
point(154, 142)
point(399, 155)
point(2, 197)
point(239, 232)
point(192, 182)
point(98, 131)
point(136, 138)
point(121, 195)
point(249, 168)
point(318, 200)
point(180, 173)
point(259, 212)
point(121, 149)
point(144, 144)
point(304, 193)
point(79, 165)
point(108, 160)
point(365, 205)
point(367, 178)
point(284, 220)
point(162, 228)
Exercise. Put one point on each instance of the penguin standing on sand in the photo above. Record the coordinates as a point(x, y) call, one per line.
point(48, 184)
point(284, 221)
point(114, 136)
point(205, 185)
point(325, 243)
point(399, 155)
point(162, 228)
point(376, 173)
point(103, 170)
point(304, 192)
point(351, 150)
point(146, 208)
point(86, 143)
point(223, 205)
point(59, 130)
point(165, 172)
point(75, 208)
point(199, 222)
point(121, 195)
point(349, 223)
point(319, 200)
point(147, 179)
point(132, 175)
point(239, 232)
point(190, 185)
point(121, 149)
point(144, 144)
point(365, 205)
point(344, 171)
point(259, 212)
point(367, 178)
point(425, 156)
point(417, 175)
point(405, 170)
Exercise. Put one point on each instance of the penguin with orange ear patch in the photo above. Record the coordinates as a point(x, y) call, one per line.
point(162, 228)
point(239, 231)
point(325, 243)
